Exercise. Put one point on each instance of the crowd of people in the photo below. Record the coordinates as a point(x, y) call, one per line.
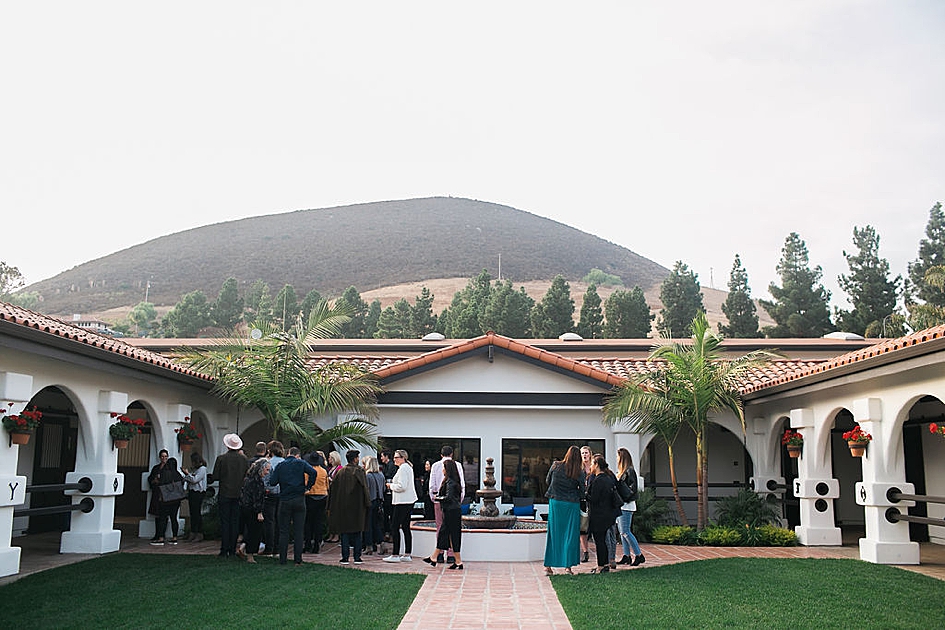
point(586, 499)
point(280, 496)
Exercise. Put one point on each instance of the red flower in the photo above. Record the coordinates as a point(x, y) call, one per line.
point(856, 434)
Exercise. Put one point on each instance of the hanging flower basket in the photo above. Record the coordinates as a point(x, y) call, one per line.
point(186, 435)
point(124, 429)
point(937, 429)
point(793, 442)
point(21, 425)
point(857, 439)
point(118, 443)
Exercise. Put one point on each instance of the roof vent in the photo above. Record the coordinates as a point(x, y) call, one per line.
point(570, 336)
point(433, 336)
point(845, 336)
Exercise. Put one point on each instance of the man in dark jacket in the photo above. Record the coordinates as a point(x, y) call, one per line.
point(348, 503)
point(289, 475)
point(229, 469)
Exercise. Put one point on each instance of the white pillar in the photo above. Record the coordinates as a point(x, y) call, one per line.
point(14, 388)
point(814, 487)
point(885, 542)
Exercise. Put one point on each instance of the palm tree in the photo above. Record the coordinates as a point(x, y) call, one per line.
point(645, 406)
point(695, 382)
point(270, 372)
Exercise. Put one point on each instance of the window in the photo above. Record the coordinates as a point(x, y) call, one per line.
point(465, 451)
point(525, 465)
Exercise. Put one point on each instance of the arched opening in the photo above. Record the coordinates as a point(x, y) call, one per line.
point(925, 465)
point(50, 454)
point(133, 462)
point(199, 420)
point(790, 504)
point(847, 470)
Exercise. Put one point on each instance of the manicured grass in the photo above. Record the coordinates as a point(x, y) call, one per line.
point(755, 593)
point(148, 591)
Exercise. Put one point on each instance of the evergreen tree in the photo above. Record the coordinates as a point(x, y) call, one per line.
point(422, 319)
point(227, 310)
point(258, 303)
point(591, 323)
point(554, 315)
point(628, 315)
point(312, 298)
point(372, 318)
point(467, 306)
point(286, 307)
point(738, 307)
point(682, 301)
point(351, 300)
point(188, 316)
point(507, 312)
point(931, 254)
point(394, 322)
point(800, 306)
point(871, 292)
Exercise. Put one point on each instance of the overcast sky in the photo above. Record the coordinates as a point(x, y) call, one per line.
point(681, 130)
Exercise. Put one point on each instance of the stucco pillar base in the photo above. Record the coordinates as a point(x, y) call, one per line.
point(889, 552)
point(818, 536)
point(9, 561)
point(90, 542)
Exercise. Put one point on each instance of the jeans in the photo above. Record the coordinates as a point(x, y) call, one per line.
point(400, 522)
point(166, 511)
point(627, 539)
point(229, 509)
point(291, 510)
point(373, 535)
point(271, 529)
point(351, 541)
point(314, 521)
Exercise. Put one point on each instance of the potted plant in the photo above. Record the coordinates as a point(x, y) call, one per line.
point(857, 439)
point(21, 425)
point(937, 428)
point(793, 441)
point(187, 434)
point(124, 429)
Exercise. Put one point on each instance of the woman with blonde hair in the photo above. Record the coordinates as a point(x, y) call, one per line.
point(565, 483)
point(628, 475)
point(404, 495)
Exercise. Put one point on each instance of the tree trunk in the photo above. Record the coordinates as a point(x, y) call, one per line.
point(705, 482)
point(700, 488)
point(672, 477)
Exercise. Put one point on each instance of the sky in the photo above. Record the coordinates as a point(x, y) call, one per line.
point(684, 130)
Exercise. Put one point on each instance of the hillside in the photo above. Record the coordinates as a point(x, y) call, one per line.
point(369, 246)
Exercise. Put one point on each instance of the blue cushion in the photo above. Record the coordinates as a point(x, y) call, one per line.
point(464, 508)
point(523, 510)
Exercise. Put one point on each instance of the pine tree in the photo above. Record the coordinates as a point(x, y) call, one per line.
point(312, 298)
point(871, 292)
point(372, 318)
point(422, 319)
point(681, 296)
point(467, 306)
point(286, 307)
point(554, 315)
point(738, 307)
point(591, 322)
point(258, 303)
point(507, 311)
point(931, 254)
point(227, 310)
point(800, 304)
point(188, 316)
point(354, 328)
point(394, 322)
point(628, 315)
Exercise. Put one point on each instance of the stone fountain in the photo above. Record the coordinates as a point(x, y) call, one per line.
point(489, 517)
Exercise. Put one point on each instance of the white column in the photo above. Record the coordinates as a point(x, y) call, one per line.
point(95, 532)
point(14, 388)
point(885, 542)
point(764, 452)
point(814, 487)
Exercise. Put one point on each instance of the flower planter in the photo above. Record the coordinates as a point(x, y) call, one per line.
point(20, 437)
point(857, 449)
point(119, 443)
point(794, 451)
point(185, 445)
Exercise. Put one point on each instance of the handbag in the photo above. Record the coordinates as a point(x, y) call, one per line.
point(173, 491)
point(585, 522)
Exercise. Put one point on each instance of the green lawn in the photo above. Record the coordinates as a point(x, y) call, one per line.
point(148, 591)
point(755, 593)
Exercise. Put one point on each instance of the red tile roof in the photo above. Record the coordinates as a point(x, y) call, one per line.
point(56, 328)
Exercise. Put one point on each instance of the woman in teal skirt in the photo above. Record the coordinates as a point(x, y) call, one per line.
point(565, 489)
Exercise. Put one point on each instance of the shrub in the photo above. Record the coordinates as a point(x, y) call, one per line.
point(775, 536)
point(674, 535)
point(746, 508)
point(650, 513)
point(720, 536)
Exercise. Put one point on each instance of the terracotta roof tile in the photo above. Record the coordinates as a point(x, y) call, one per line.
point(58, 328)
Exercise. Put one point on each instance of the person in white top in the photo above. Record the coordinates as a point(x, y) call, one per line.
point(404, 495)
point(436, 480)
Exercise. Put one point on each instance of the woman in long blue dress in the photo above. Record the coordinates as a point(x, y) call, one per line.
point(565, 490)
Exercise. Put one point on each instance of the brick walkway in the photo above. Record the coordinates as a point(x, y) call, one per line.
point(497, 595)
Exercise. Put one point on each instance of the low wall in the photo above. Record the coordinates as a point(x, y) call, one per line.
point(486, 545)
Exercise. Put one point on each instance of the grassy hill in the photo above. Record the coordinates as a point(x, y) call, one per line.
point(370, 246)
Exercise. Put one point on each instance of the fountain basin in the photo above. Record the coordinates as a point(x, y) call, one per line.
point(523, 542)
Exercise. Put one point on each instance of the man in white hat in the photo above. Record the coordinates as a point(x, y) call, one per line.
point(229, 470)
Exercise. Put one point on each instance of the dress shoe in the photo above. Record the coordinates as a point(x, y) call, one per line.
point(638, 560)
point(625, 560)
point(457, 567)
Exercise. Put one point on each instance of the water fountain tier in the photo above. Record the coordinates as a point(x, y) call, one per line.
point(489, 517)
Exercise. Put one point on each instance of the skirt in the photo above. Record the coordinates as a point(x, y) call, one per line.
point(562, 544)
